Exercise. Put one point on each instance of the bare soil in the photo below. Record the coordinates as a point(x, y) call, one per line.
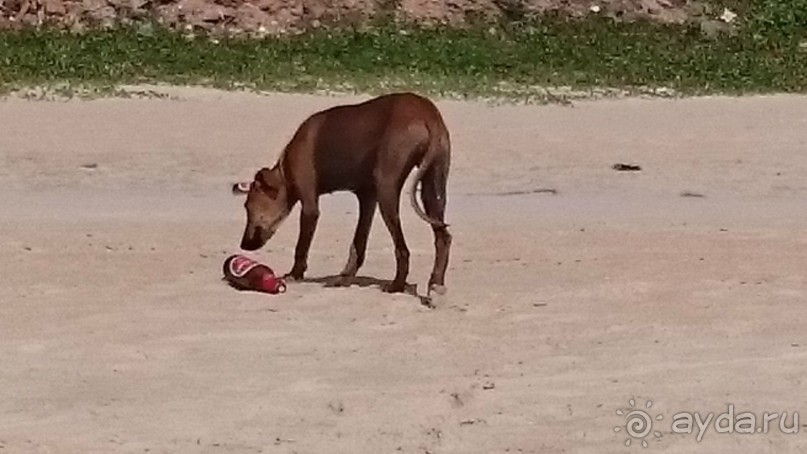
point(682, 284)
point(272, 17)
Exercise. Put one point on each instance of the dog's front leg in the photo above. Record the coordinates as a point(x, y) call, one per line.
point(309, 215)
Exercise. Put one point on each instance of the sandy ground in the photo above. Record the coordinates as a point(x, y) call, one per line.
point(117, 334)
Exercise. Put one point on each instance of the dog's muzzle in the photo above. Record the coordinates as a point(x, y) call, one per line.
point(256, 240)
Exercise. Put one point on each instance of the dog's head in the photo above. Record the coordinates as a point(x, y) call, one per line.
point(267, 206)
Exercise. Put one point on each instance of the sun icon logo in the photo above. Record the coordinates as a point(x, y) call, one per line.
point(638, 423)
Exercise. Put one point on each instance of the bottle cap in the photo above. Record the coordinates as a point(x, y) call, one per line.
point(271, 284)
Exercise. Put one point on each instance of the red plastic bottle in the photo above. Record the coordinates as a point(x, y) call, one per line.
point(244, 273)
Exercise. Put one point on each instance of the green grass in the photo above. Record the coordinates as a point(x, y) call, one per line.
point(514, 60)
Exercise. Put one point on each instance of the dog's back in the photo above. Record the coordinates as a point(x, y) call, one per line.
point(345, 141)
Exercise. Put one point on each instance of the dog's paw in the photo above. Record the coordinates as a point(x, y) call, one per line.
point(294, 276)
point(438, 289)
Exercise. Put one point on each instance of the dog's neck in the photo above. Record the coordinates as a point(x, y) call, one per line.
point(291, 193)
point(280, 165)
point(281, 168)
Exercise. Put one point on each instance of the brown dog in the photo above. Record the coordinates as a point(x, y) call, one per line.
point(368, 149)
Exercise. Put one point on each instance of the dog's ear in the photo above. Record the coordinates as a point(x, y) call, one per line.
point(264, 182)
point(263, 178)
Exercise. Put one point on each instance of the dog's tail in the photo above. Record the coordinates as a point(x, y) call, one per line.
point(437, 146)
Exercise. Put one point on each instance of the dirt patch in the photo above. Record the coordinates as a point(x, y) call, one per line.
point(270, 17)
point(117, 334)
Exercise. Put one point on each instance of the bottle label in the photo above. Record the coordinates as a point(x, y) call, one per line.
point(240, 266)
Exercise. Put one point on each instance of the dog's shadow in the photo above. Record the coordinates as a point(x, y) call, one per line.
point(337, 281)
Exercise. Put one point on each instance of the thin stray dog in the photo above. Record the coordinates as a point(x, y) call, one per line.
point(368, 149)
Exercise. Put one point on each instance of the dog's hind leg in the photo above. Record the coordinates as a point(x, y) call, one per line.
point(433, 194)
point(389, 204)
